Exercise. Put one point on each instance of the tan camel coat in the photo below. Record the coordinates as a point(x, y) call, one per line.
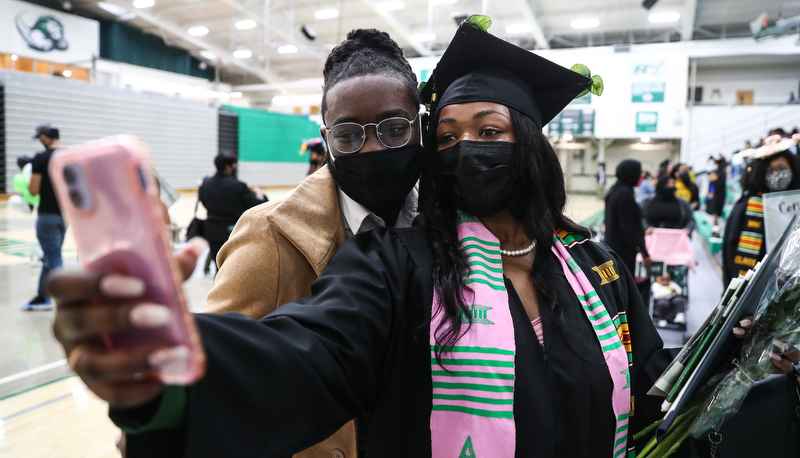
point(275, 252)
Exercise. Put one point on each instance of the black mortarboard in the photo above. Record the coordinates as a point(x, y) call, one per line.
point(479, 67)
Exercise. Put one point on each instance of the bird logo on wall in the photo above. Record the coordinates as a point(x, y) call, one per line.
point(45, 35)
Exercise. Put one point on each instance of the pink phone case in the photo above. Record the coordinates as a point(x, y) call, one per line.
point(108, 196)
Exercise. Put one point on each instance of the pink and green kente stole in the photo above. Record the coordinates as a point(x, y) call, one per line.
point(473, 388)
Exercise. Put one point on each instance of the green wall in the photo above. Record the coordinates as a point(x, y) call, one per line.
point(272, 137)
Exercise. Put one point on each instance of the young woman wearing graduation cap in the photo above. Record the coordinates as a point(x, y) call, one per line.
point(495, 330)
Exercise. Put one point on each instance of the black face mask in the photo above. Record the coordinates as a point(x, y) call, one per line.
point(686, 178)
point(314, 162)
point(477, 175)
point(378, 179)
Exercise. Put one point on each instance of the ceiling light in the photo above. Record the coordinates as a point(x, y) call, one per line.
point(644, 139)
point(660, 18)
point(67, 73)
point(326, 14)
point(14, 57)
point(287, 49)
point(246, 24)
point(243, 54)
point(116, 10)
point(519, 28)
point(198, 31)
point(208, 55)
point(442, 2)
point(567, 137)
point(424, 36)
point(236, 95)
point(391, 5)
point(588, 23)
point(143, 3)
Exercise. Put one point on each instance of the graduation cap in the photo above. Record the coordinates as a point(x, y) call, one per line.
point(479, 67)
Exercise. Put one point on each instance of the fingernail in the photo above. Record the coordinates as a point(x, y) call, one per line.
point(738, 331)
point(746, 322)
point(775, 357)
point(169, 359)
point(114, 285)
point(149, 316)
point(780, 345)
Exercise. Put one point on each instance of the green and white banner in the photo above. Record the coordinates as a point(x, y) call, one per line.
point(647, 121)
point(647, 91)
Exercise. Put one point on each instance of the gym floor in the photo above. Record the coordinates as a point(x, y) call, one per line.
point(45, 411)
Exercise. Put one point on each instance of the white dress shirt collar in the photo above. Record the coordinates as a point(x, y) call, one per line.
point(356, 214)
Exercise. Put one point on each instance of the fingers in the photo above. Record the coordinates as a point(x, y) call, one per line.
point(127, 377)
point(76, 323)
point(782, 364)
point(68, 287)
point(744, 329)
point(76, 287)
point(187, 258)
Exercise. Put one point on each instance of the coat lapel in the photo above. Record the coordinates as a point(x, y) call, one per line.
point(310, 218)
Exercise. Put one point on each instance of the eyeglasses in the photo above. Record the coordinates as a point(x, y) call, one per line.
point(349, 137)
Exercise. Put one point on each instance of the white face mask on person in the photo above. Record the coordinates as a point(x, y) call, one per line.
point(779, 181)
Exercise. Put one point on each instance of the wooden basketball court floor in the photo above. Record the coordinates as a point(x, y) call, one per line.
point(45, 410)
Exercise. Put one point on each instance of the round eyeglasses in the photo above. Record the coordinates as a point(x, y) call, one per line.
point(349, 137)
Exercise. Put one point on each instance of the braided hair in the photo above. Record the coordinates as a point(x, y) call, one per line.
point(367, 52)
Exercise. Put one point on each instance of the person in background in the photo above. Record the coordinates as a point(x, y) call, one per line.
point(670, 305)
point(665, 210)
point(684, 185)
point(717, 189)
point(316, 154)
point(646, 187)
point(624, 231)
point(370, 107)
point(743, 243)
point(50, 226)
point(225, 198)
point(601, 181)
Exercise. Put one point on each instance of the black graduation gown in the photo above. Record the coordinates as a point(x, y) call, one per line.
point(359, 347)
point(624, 231)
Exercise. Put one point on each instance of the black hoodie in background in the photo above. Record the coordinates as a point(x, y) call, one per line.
point(624, 231)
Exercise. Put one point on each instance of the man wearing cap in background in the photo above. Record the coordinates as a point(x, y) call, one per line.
point(50, 227)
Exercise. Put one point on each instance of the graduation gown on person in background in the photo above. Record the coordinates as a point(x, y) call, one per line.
point(360, 345)
point(624, 231)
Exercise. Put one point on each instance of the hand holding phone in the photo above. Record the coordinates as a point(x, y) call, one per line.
point(108, 195)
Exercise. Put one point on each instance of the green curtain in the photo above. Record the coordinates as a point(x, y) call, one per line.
point(124, 43)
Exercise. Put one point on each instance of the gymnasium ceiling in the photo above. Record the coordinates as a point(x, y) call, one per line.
point(270, 28)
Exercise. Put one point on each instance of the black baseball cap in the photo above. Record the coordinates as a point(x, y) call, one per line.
point(48, 130)
point(480, 67)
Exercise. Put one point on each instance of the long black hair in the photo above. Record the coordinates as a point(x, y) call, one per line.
point(538, 200)
point(367, 52)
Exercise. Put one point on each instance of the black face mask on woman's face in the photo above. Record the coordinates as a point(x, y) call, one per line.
point(477, 175)
point(378, 179)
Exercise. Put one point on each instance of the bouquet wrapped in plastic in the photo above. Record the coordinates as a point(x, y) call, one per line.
point(776, 328)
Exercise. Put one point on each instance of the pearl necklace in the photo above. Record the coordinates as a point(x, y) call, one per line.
point(519, 252)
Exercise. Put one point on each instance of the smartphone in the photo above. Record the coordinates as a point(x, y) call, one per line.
point(108, 196)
